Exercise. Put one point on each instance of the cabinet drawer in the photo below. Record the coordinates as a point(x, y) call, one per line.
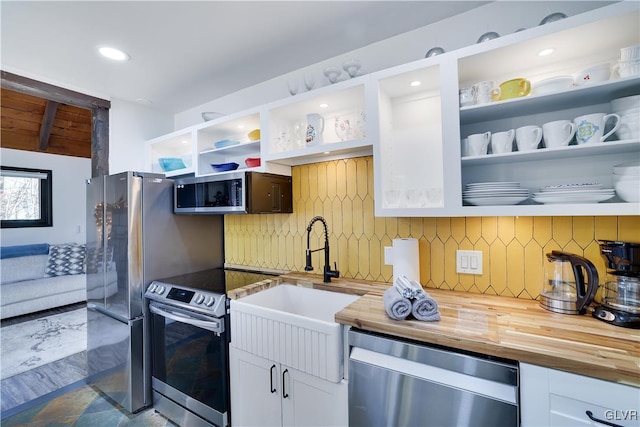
point(565, 411)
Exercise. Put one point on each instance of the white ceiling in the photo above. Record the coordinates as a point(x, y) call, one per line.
point(184, 54)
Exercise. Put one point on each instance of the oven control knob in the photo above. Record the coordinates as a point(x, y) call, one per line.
point(199, 299)
point(152, 287)
point(160, 290)
point(209, 302)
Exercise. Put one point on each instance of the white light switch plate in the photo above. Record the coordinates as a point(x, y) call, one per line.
point(469, 262)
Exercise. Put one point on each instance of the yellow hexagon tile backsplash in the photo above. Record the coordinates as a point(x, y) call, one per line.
point(513, 248)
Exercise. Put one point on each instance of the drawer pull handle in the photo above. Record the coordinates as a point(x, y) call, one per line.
point(284, 393)
point(273, 389)
point(590, 415)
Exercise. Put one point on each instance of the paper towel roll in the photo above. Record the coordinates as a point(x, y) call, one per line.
point(404, 256)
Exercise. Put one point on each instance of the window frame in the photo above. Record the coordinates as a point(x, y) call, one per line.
point(46, 201)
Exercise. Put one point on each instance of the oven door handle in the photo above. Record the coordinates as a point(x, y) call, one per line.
point(210, 325)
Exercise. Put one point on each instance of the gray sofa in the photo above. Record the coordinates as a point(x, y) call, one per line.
point(39, 277)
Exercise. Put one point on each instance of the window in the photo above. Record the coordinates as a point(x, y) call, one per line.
point(25, 197)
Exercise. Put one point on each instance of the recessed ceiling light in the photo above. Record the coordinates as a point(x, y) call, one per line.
point(144, 101)
point(327, 152)
point(240, 126)
point(545, 52)
point(415, 83)
point(324, 105)
point(113, 53)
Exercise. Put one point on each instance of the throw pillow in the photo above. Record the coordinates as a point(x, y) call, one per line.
point(66, 259)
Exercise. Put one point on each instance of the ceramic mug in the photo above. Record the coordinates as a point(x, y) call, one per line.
point(464, 147)
point(502, 142)
point(484, 92)
point(478, 143)
point(528, 137)
point(514, 88)
point(558, 133)
point(590, 127)
point(315, 127)
point(466, 96)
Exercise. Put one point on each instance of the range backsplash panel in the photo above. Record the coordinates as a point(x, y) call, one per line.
point(513, 248)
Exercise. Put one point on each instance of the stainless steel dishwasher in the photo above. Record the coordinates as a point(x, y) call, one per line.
point(403, 383)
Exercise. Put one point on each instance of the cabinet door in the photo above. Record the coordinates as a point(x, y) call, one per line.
point(255, 390)
point(556, 398)
point(311, 401)
point(409, 156)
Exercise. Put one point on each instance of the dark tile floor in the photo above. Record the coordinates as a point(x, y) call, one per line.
point(56, 394)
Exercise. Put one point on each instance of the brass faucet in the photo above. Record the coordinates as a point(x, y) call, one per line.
point(328, 273)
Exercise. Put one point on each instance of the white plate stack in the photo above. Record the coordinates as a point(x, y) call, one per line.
point(588, 192)
point(494, 193)
point(626, 181)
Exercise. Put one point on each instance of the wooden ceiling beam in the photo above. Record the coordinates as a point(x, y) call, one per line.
point(50, 92)
point(47, 123)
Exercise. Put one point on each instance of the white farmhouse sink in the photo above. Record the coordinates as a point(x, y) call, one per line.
point(294, 326)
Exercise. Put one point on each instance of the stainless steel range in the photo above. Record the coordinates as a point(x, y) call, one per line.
point(189, 324)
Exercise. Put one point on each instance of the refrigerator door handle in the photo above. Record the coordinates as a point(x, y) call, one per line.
point(102, 310)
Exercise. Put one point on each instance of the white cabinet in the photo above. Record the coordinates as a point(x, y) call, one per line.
point(554, 398)
point(415, 105)
point(265, 393)
point(343, 109)
point(177, 146)
point(587, 40)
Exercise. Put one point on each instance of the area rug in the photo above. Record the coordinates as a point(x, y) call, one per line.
point(27, 345)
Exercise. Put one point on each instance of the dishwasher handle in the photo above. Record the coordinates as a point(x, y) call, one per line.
point(493, 389)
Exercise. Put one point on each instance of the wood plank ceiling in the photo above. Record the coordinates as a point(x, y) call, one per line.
point(36, 124)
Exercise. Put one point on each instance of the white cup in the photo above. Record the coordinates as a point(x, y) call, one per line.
point(478, 143)
point(630, 53)
point(483, 92)
point(464, 147)
point(502, 142)
point(627, 68)
point(558, 133)
point(590, 127)
point(315, 127)
point(528, 137)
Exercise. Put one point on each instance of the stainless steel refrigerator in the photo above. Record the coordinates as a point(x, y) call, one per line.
point(133, 238)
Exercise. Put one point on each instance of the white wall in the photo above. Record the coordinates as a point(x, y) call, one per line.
point(503, 17)
point(130, 125)
point(69, 198)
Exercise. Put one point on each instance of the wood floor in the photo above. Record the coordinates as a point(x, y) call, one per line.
point(57, 394)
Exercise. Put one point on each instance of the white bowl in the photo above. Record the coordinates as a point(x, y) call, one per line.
point(630, 53)
point(629, 168)
point(554, 84)
point(618, 178)
point(626, 68)
point(626, 103)
point(629, 191)
point(594, 74)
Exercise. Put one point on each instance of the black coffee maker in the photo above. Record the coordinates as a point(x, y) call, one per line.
point(620, 294)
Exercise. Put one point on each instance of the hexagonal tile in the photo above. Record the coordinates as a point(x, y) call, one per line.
point(629, 228)
point(458, 228)
point(523, 229)
point(362, 176)
point(542, 229)
point(437, 267)
point(515, 270)
point(583, 230)
point(489, 228)
point(357, 216)
point(341, 180)
point(562, 230)
point(430, 228)
point(391, 227)
point(368, 217)
point(506, 229)
point(534, 261)
point(443, 228)
point(332, 191)
point(473, 228)
point(322, 180)
point(404, 227)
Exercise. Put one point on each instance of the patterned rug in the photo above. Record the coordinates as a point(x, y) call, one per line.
point(27, 345)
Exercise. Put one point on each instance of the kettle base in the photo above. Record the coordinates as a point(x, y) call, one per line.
point(617, 317)
point(559, 306)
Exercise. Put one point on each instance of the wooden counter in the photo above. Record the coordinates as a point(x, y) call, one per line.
point(511, 328)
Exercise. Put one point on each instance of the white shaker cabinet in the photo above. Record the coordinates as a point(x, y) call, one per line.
point(554, 398)
point(266, 393)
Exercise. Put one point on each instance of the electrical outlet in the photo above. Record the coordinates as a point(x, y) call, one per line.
point(469, 262)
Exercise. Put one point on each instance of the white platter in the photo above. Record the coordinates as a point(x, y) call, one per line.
point(490, 201)
point(586, 198)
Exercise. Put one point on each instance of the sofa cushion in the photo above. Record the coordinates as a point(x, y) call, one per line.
point(23, 268)
point(24, 250)
point(66, 259)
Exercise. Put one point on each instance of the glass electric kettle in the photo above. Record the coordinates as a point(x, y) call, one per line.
point(566, 289)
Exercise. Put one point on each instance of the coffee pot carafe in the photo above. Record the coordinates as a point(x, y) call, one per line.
point(570, 285)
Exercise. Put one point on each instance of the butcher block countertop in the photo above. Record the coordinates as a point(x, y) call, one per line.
point(506, 327)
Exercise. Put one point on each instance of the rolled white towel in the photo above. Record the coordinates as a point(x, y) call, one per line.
point(404, 287)
point(396, 306)
point(424, 307)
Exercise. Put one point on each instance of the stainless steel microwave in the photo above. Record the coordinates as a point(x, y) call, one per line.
point(238, 192)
